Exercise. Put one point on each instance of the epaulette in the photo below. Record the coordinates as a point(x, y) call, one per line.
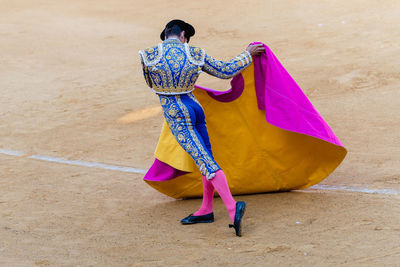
point(151, 55)
point(196, 55)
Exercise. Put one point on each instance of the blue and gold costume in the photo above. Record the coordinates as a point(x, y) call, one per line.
point(171, 70)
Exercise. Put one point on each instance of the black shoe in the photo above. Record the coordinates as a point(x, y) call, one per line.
point(191, 219)
point(240, 208)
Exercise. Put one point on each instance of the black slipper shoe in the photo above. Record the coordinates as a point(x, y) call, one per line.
point(191, 219)
point(239, 212)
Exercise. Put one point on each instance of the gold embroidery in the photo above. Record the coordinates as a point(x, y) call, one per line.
point(170, 90)
point(226, 70)
point(206, 159)
point(181, 127)
point(173, 68)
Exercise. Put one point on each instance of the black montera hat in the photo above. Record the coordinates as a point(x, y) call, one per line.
point(189, 30)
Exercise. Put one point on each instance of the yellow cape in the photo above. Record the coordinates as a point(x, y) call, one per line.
point(256, 156)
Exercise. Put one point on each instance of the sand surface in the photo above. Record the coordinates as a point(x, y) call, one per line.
point(72, 88)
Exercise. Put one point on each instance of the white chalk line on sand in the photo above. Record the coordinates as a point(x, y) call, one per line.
point(12, 152)
point(355, 189)
point(74, 162)
point(143, 171)
point(88, 164)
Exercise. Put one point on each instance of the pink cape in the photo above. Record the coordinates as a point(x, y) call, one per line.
point(285, 105)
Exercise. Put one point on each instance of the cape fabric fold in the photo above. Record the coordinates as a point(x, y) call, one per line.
point(264, 132)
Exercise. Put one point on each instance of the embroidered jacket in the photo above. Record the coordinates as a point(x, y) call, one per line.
point(173, 68)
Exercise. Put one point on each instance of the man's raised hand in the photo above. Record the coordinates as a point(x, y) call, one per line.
point(256, 49)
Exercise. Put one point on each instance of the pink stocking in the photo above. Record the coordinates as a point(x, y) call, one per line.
point(208, 195)
point(221, 185)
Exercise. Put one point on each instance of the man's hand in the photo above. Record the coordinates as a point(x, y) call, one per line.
point(256, 50)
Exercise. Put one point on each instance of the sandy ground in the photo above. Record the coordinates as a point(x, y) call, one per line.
point(70, 73)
